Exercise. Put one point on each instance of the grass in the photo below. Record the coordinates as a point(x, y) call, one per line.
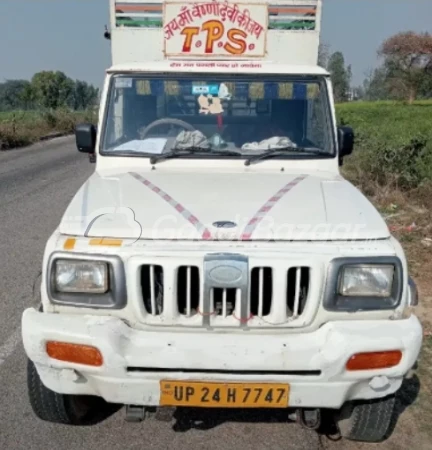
point(422, 410)
point(394, 143)
point(20, 128)
point(387, 121)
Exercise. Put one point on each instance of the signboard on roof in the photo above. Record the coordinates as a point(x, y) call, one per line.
point(215, 29)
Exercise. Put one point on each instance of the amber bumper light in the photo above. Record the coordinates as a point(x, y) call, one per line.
point(74, 353)
point(374, 360)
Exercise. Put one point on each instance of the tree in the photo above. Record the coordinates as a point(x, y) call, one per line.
point(425, 90)
point(28, 96)
point(408, 61)
point(358, 93)
point(376, 86)
point(340, 75)
point(85, 95)
point(15, 94)
point(52, 90)
point(349, 74)
point(323, 55)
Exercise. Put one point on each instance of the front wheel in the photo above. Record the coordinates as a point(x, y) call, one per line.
point(367, 421)
point(60, 408)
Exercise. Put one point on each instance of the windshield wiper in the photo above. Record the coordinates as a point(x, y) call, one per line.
point(179, 152)
point(281, 150)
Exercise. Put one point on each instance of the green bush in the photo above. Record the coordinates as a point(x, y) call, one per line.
point(50, 117)
point(20, 128)
point(393, 142)
point(9, 139)
point(65, 121)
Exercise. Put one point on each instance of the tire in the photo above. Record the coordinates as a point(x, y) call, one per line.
point(64, 409)
point(368, 421)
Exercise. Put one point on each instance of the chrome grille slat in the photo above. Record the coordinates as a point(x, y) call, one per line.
point(297, 293)
point(212, 302)
point(188, 291)
point(237, 303)
point(224, 303)
point(277, 309)
point(152, 291)
point(170, 309)
point(260, 292)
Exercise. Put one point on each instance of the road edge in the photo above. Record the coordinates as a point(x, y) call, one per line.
point(52, 136)
point(42, 139)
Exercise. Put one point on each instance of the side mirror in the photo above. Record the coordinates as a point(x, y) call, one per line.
point(85, 135)
point(345, 142)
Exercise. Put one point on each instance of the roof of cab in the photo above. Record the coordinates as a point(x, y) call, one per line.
point(218, 66)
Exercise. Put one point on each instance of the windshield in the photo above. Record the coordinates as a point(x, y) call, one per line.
point(229, 116)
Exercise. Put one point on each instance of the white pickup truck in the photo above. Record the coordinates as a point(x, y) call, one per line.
point(216, 257)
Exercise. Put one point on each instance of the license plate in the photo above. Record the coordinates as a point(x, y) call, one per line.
point(224, 395)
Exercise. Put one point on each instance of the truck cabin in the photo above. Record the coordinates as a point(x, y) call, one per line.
point(233, 80)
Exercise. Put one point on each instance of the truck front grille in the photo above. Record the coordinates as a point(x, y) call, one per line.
point(257, 296)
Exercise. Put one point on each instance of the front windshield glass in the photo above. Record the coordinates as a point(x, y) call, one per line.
point(225, 117)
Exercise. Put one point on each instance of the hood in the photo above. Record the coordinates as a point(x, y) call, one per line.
point(222, 206)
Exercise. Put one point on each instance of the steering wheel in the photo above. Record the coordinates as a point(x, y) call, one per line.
point(159, 122)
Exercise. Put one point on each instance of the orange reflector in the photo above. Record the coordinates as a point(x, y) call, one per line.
point(69, 244)
point(105, 241)
point(374, 360)
point(74, 353)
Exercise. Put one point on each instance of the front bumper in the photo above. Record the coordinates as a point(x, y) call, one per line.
point(312, 363)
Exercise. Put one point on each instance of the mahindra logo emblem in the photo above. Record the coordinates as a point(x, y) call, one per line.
point(224, 224)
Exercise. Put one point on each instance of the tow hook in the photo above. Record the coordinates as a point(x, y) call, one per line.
point(309, 418)
point(138, 413)
point(135, 413)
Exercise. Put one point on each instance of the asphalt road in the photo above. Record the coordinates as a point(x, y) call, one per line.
point(36, 185)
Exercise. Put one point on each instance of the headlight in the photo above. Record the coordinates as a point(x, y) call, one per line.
point(92, 281)
point(367, 281)
point(81, 276)
point(364, 284)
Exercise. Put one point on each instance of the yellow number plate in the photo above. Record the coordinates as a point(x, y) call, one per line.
point(224, 395)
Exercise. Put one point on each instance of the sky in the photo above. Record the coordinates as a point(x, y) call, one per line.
point(67, 35)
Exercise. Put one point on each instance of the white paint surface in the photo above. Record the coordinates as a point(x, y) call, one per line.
point(281, 46)
point(124, 347)
point(319, 207)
